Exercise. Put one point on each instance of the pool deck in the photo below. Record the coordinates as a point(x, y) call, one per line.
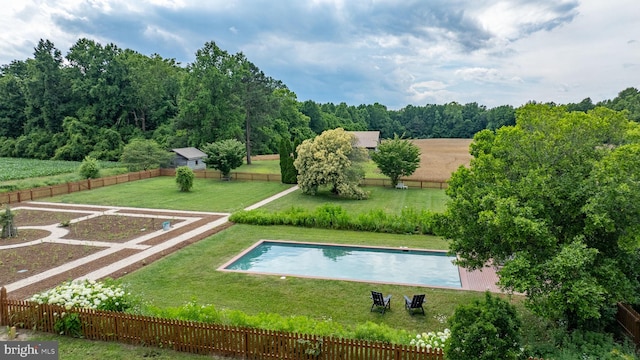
point(479, 280)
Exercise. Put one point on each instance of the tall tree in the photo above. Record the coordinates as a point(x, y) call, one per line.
point(100, 77)
point(256, 91)
point(316, 121)
point(12, 106)
point(155, 85)
point(210, 108)
point(627, 100)
point(537, 200)
point(47, 89)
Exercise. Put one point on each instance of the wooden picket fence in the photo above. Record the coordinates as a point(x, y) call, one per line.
point(629, 321)
point(203, 338)
point(70, 187)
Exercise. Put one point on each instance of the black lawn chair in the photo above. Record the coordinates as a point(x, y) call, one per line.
point(414, 303)
point(380, 301)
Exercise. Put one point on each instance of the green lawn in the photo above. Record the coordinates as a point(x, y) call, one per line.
point(370, 168)
point(162, 193)
point(81, 349)
point(390, 200)
point(191, 274)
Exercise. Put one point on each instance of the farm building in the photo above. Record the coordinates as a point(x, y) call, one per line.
point(190, 157)
point(367, 139)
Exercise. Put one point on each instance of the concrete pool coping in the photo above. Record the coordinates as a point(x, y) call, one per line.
point(478, 280)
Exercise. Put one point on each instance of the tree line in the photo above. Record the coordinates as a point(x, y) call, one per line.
point(97, 98)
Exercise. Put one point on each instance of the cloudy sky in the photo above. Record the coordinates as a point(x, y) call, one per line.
point(493, 52)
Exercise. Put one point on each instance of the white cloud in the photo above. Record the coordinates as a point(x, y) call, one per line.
point(493, 52)
point(485, 75)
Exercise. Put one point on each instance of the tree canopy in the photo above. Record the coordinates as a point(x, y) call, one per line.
point(224, 155)
point(550, 201)
point(143, 154)
point(332, 159)
point(397, 157)
point(97, 97)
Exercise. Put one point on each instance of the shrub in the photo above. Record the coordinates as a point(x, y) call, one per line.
point(90, 168)
point(86, 294)
point(369, 331)
point(68, 324)
point(184, 178)
point(488, 329)
point(330, 216)
point(431, 340)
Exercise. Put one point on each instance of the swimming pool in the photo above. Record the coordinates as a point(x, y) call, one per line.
point(370, 264)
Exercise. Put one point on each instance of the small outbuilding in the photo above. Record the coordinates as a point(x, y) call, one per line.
point(367, 139)
point(191, 157)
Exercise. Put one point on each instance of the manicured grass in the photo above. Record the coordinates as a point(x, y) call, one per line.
point(162, 193)
point(371, 170)
point(260, 167)
point(191, 274)
point(389, 200)
point(81, 349)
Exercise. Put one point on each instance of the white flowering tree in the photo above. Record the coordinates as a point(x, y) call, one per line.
point(331, 159)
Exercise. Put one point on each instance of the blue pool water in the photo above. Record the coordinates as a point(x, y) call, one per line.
point(401, 266)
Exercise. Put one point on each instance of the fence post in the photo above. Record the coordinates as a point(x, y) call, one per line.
point(4, 308)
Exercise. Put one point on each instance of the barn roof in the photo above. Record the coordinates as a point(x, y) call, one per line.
point(189, 153)
point(367, 139)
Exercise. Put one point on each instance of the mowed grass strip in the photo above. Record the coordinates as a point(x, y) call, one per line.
point(162, 193)
point(389, 200)
point(191, 274)
point(83, 349)
point(370, 168)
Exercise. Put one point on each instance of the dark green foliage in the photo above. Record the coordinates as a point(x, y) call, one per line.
point(142, 154)
point(184, 178)
point(68, 324)
point(551, 199)
point(90, 168)
point(288, 172)
point(547, 340)
point(218, 95)
point(485, 330)
point(225, 155)
point(410, 221)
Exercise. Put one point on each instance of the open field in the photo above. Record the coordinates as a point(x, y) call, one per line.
point(441, 157)
point(438, 159)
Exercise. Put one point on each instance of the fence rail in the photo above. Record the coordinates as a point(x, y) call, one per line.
point(203, 338)
point(629, 321)
point(70, 187)
point(67, 188)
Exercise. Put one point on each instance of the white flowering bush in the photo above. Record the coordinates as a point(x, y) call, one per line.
point(86, 294)
point(431, 340)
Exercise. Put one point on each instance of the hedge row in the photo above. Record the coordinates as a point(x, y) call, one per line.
point(328, 216)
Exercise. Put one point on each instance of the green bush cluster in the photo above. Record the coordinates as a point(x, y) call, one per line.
point(184, 178)
point(369, 331)
point(548, 340)
point(90, 168)
point(329, 216)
